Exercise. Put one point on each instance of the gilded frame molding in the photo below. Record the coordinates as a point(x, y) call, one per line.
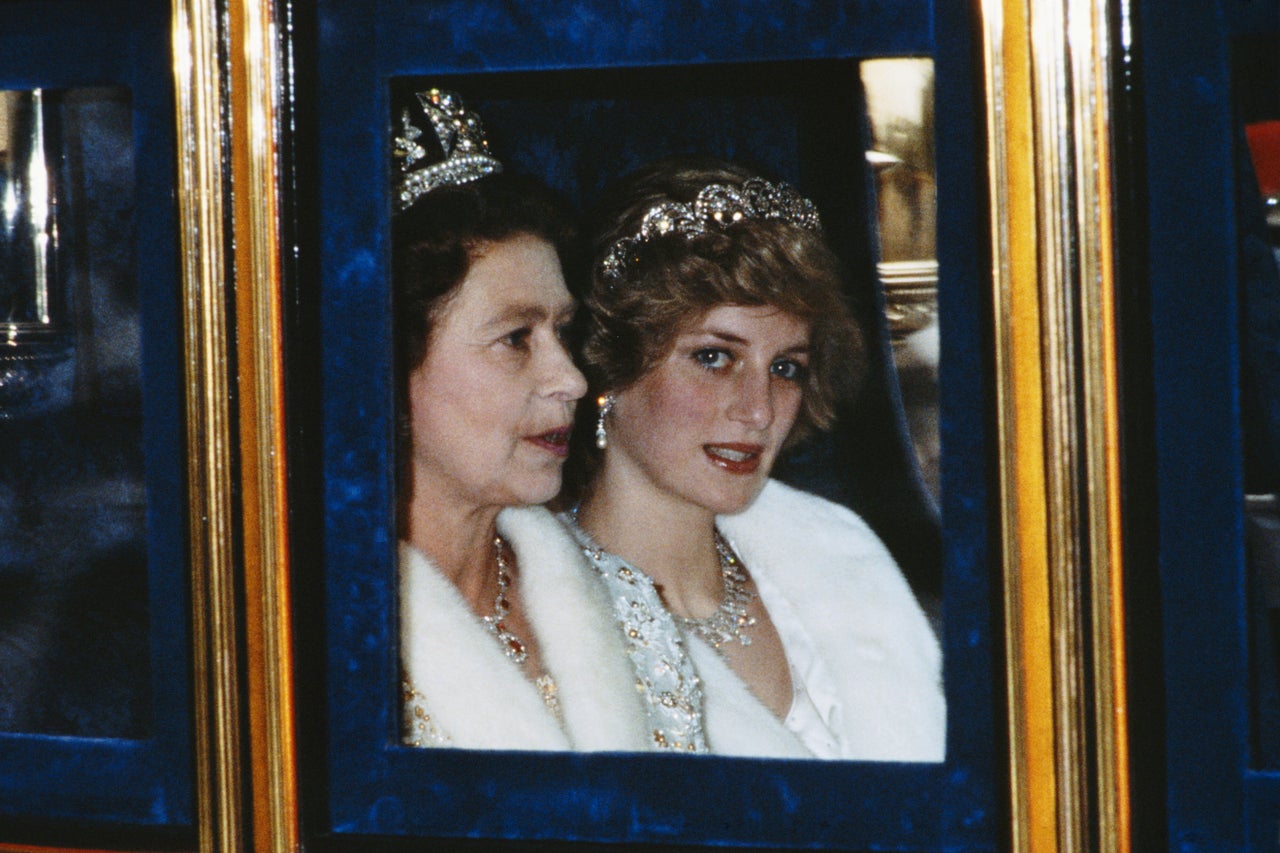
point(1048, 72)
point(205, 263)
point(256, 59)
point(228, 82)
point(1050, 189)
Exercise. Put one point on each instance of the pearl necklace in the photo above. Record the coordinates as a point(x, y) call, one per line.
point(730, 620)
point(512, 645)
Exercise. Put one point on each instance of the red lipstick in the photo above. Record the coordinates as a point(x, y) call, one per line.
point(556, 440)
point(736, 458)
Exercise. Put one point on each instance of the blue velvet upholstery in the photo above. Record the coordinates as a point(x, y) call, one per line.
point(578, 92)
point(1203, 304)
point(96, 710)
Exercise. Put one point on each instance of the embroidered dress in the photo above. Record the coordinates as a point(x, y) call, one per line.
point(664, 674)
point(418, 726)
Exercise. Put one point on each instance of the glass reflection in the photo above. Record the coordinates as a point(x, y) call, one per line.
point(1257, 191)
point(74, 636)
point(33, 340)
point(899, 95)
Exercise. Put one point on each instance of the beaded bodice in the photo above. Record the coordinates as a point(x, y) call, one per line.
point(664, 671)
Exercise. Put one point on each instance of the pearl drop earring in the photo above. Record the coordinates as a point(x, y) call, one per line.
point(605, 402)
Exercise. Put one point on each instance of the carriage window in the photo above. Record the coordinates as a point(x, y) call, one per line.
point(1258, 240)
point(796, 111)
point(899, 327)
point(74, 636)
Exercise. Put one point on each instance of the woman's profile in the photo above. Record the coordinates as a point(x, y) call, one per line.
point(717, 337)
point(506, 641)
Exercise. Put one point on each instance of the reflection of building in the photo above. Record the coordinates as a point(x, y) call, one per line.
point(74, 632)
point(900, 112)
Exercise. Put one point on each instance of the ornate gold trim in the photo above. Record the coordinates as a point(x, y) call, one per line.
point(1011, 170)
point(1089, 39)
point(210, 439)
point(205, 119)
point(1047, 85)
point(256, 83)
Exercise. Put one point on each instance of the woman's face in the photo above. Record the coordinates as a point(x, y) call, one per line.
point(704, 426)
point(492, 402)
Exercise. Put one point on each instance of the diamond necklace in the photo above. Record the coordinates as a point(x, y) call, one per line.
point(730, 620)
point(512, 645)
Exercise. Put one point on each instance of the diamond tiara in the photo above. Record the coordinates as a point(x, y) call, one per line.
point(716, 206)
point(461, 135)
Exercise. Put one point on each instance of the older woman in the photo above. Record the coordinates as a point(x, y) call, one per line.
point(718, 336)
point(506, 638)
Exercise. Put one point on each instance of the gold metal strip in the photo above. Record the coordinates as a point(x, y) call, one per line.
point(209, 438)
point(256, 83)
point(1047, 71)
point(1055, 187)
point(1011, 176)
point(1090, 45)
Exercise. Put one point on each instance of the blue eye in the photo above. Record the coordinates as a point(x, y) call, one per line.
point(785, 368)
point(712, 358)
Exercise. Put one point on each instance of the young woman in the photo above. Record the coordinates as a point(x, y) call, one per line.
point(717, 337)
point(506, 638)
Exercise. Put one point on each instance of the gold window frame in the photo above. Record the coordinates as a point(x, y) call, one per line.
point(1051, 239)
point(1048, 69)
point(237, 43)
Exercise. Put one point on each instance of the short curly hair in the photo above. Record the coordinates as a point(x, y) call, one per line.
point(633, 320)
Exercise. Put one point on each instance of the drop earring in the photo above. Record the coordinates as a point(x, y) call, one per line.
point(605, 402)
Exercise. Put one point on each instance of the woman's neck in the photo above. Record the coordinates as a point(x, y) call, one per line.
point(459, 542)
point(670, 540)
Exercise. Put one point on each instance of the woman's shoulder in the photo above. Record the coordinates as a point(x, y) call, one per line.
point(856, 607)
point(789, 515)
point(826, 560)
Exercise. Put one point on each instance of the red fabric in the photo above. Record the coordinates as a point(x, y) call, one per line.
point(1264, 145)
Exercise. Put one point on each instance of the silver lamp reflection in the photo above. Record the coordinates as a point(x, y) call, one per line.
point(35, 338)
point(900, 109)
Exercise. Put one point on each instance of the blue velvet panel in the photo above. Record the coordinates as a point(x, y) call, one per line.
point(578, 93)
point(1248, 17)
point(102, 761)
point(1192, 250)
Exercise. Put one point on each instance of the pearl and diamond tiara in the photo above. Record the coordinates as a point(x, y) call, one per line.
point(717, 206)
point(461, 136)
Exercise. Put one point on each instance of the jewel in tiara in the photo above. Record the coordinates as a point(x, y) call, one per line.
point(461, 136)
point(716, 206)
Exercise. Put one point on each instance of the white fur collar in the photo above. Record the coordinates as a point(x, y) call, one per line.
point(480, 699)
point(738, 723)
point(860, 614)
